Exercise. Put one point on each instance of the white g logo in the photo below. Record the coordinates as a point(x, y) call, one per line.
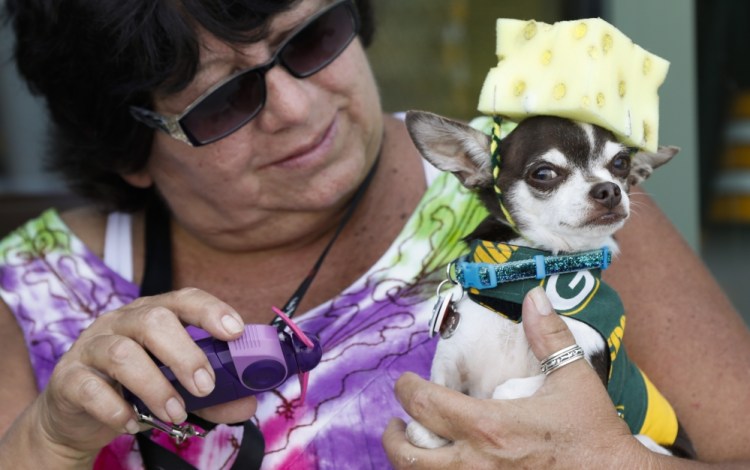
point(582, 293)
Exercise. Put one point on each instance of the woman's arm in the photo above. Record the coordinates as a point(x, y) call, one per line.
point(684, 333)
point(25, 442)
point(18, 386)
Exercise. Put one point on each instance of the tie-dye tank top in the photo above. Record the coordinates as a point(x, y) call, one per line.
point(371, 334)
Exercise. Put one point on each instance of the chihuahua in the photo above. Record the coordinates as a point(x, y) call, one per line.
point(562, 187)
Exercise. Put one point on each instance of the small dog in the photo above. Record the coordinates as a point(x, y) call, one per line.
point(562, 187)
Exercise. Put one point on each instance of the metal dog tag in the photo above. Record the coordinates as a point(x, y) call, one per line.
point(444, 318)
point(450, 323)
point(438, 313)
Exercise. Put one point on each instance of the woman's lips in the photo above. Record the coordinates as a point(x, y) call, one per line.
point(309, 154)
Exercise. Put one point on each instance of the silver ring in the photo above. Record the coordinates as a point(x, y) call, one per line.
point(561, 358)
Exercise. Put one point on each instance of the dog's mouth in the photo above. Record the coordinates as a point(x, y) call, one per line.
point(607, 218)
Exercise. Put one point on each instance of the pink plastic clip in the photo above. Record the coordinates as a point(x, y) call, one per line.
point(305, 340)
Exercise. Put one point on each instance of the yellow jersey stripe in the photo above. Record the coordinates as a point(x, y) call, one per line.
point(660, 422)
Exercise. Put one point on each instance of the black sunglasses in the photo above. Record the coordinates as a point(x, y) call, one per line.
point(233, 102)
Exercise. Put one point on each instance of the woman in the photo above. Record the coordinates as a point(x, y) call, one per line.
point(242, 138)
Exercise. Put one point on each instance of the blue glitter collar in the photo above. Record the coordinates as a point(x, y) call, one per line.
point(498, 276)
point(537, 264)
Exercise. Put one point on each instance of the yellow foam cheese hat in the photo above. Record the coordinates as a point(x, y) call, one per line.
point(585, 70)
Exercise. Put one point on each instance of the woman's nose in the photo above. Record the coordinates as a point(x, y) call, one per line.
point(288, 100)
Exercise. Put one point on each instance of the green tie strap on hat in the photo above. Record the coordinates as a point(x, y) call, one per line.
point(497, 136)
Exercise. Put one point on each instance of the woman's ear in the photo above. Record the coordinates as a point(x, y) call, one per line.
point(140, 179)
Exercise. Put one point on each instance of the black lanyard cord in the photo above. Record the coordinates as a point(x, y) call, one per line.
point(158, 279)
point(290, 307)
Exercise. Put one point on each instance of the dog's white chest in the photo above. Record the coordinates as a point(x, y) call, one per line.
point(484, 351)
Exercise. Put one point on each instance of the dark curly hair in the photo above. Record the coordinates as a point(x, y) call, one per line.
point(92, 59)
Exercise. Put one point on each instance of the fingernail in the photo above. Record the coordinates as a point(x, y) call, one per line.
point(132, 427)
point(232, 325)
point(203, 381)
point(176, 411)
point(541, 301)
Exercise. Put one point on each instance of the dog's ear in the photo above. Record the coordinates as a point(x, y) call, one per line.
point(452, 146)
point(644, 163)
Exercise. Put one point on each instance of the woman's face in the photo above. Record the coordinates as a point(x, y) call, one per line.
point(304, 153)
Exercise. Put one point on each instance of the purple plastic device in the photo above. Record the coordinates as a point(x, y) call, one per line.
point(259, 360)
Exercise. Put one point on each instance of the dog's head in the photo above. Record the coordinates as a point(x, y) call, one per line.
point(565, 184)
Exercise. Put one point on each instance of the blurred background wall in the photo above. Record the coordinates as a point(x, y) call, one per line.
point(434, 54)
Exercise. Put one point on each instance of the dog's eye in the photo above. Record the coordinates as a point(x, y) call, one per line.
point(544, 173)
point(621, 163)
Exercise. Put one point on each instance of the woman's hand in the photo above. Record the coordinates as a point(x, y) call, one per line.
point(569, 423)
point(82, 409)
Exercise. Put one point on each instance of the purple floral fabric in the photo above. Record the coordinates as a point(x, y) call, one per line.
point(55, 287)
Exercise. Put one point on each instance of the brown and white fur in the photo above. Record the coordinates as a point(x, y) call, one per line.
point(566, 185)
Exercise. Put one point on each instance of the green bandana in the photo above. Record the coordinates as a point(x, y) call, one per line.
point(584, 296)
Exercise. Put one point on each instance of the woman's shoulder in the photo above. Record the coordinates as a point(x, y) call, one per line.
point(88, 224)
point(82, 225)
point(77, 231)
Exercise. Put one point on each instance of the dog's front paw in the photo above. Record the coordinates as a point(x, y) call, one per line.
point(518, 388)
point(652, 445)
point(420, 436)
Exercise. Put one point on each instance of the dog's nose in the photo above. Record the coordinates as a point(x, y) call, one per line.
point(607, 194)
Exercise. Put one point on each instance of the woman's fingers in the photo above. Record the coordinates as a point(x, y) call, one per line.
point(444, 411)
point(207, 312)
point(404, 455)
point(198, 308)
point(452, 414)
point(82, 406)
point(525, 432)
point(126, 362)
point(156, 324)
point(122, 345)
point(98, 398)
point(547, 332)
point(159, 331)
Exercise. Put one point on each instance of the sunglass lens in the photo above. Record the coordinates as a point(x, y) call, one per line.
point(320, 42)
point(226, 109)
